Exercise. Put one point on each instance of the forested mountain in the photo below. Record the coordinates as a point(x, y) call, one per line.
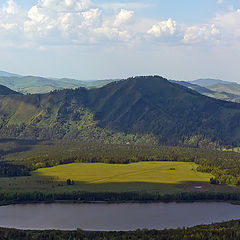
point(141, 109)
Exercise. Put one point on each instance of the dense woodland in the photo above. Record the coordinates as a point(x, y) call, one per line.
point(13, 170)
point(220, 231)
point(28, 197)
point(28, 156)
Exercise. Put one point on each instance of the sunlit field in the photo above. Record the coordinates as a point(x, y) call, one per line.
point(148, 172)
point(145, 177)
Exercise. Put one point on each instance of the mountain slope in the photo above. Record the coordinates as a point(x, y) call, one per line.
point(34, 85)
point(169, 111)
point(211, 91)
point(31, 84)
point(7, 74)
point(195, 87)
point(232, 88)
point(6, 91)
point(205, 82)
point(141, 109)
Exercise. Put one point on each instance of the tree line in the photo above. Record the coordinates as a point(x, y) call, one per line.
point(224, 165)
point(19, 157)
point(25, 197)
point(218, 231)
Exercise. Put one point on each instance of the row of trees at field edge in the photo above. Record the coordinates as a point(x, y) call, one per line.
point(24, 197)
point(225, 166)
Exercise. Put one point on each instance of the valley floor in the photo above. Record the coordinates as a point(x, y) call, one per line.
point(142, 177)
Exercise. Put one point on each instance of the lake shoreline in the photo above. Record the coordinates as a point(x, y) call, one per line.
point(115, 202)
point(64, 216)
point(7, 198)
point(218, 230)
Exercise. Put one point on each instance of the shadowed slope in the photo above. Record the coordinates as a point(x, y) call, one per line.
point(149, 106)
point(6, 91)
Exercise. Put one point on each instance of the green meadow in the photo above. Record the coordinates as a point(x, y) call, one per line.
point(164, 177)
point(148, 172)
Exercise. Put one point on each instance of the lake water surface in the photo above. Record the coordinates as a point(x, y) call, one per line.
point(127, 216)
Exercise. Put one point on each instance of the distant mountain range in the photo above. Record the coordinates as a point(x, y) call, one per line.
point(205, 82)
point(7, 74)
point(228, 92)
point(216, 88)
point(34, 84)
point(223, 90)
point(232, 88)
point(137, 110)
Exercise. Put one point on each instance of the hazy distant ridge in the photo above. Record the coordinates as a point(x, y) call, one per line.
point(205, 82)
point(35, 84)
point(7, 74)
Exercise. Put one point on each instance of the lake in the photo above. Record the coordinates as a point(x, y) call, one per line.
point(126, 216)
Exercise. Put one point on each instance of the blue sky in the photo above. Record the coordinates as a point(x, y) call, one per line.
point(86, 39)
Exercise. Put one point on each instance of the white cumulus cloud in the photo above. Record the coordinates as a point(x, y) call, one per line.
point(163, 28)
point(84, 22)
point(200, 33)
point(229, 23)
point(10, 8)
point(11, 23)
point(74, 21)
point(122, 17)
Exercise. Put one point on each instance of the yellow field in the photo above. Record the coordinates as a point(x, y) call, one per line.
point(163, 177)
point(148, 172)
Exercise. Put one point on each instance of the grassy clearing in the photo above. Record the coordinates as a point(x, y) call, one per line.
point(236, 149)
point(164, 177)
point(148, 172)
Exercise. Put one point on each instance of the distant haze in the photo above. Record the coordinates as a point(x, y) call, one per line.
point(207, 82)
point(108, 39)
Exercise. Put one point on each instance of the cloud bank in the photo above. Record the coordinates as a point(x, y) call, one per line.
point(83, 22)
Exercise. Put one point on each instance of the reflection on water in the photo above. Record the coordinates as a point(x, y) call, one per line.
point(129, 216)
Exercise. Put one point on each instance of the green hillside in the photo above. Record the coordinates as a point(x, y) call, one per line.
point(31, 84)
point(138, 110)
point(205, 82)
point(232, 88)
point(34, 85)
point(224, 90)
point(222, 93)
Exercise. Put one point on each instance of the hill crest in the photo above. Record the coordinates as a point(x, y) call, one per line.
point(139, 110)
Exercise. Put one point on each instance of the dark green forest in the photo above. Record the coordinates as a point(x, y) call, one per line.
point(24, 157)
point(146, 110)
point(83, 197)
point(220, 231)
